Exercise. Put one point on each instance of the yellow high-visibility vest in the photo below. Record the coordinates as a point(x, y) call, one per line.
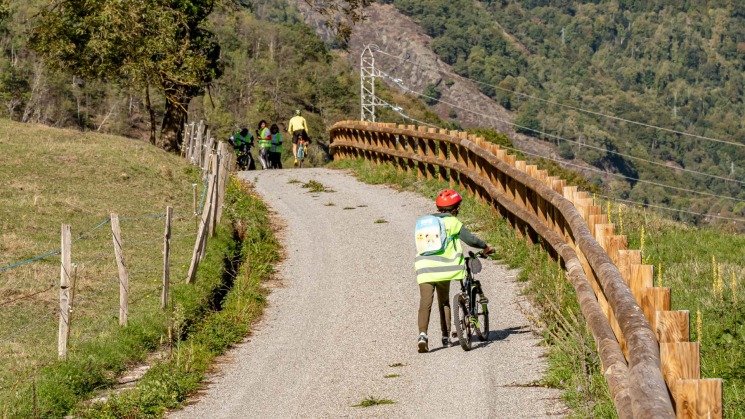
point(447, 265)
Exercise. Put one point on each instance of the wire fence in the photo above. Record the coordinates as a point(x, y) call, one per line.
point(45, 306)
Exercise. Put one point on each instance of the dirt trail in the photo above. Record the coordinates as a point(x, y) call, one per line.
point(347, 311)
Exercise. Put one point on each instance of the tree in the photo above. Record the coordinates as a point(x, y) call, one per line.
point(4, 9)
point(138, 43)
point(431, 95)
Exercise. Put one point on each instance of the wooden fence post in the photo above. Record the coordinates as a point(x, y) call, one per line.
point(216, 180)
point(699, 399)
point(201, 237)
point(166, 259)
point(196, 209)
point(123, 275)
point(72, 298)
point(225, 161)
point(673, 326)
point(64, 292)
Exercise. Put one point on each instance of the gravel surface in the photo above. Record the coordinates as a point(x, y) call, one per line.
point(345, 315)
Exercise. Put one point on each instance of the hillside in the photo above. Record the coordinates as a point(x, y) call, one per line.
point(59, 177)
point(547, 66)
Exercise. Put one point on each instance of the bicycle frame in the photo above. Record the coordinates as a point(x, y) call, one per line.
point(472, 288)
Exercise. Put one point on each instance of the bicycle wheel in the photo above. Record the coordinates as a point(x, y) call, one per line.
point(463, 327)
point(481, 324)
point(300, 155)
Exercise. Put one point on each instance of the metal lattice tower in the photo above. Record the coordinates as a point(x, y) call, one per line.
point(368, 101)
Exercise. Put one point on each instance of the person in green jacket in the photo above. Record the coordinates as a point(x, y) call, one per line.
point(435, 271)
point(265, 143)
point(275, 151)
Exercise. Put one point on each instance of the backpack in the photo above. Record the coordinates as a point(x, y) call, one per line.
point(430, 235)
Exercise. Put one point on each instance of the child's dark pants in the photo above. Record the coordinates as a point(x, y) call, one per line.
point(426, 294)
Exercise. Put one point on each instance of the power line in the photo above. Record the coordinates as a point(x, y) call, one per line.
point(575, 165)
point(399, 111)
point(671, 209)
point(643, 124)
point(398, 82)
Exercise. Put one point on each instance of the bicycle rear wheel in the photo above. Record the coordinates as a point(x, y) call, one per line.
point(463, 327)
point(482, 317)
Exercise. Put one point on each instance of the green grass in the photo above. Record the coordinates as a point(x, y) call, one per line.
point(316, 186)
point(691, 262)
point(167, 384)
point(391, 375)
point(574, 365)
point(380, 221)
point(78, 178)
point(61, 176)
point(397, 364)
point(373, 401)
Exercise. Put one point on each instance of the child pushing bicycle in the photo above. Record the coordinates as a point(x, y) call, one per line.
point(440, 260)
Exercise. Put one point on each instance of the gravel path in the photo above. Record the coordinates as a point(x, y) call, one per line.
point(346, 313)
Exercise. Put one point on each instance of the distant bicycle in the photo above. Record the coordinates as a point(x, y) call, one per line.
point(302, 147)
point(470, 311)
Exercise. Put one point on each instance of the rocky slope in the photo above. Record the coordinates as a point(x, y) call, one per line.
point(406, 55)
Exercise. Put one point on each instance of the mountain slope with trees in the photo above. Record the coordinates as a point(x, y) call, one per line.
point(667, 64)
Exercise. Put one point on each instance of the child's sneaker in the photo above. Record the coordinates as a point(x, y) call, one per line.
point(445, 341)
point(422, 343)
point(295, 162)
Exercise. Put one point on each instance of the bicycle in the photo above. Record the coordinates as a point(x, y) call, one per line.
point(244, 159)
point(301, 151)
point(470, 311)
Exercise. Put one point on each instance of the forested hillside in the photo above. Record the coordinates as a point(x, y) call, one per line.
point(677, 65)
point(269, 64)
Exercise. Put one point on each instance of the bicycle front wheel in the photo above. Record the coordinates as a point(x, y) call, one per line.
point(481, 324)
point(463, 327)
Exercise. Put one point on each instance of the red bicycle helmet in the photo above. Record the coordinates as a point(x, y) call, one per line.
point(448, 200)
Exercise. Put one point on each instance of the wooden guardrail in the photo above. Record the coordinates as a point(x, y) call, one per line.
point(652, 370)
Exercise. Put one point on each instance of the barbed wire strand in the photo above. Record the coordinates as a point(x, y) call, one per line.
point(26, 296)
point(27, 327)
point(86, 235)
point(701, 137)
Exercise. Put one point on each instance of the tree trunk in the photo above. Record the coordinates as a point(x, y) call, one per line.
point(150, 112)
point(171, 133)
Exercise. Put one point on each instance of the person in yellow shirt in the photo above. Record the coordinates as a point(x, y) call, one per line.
point(298, 128)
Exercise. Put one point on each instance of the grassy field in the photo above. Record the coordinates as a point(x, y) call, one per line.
point(54, 176)
point(245, 234)
point(703, 267)
point(705, 270)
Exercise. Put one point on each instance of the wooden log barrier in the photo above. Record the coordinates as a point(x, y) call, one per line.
point(567, 221)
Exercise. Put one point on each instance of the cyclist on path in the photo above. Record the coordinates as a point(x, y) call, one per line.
point(265, 143)
point(298, 127)
point(434, 271)
point(242, 142)
point(275, 152)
